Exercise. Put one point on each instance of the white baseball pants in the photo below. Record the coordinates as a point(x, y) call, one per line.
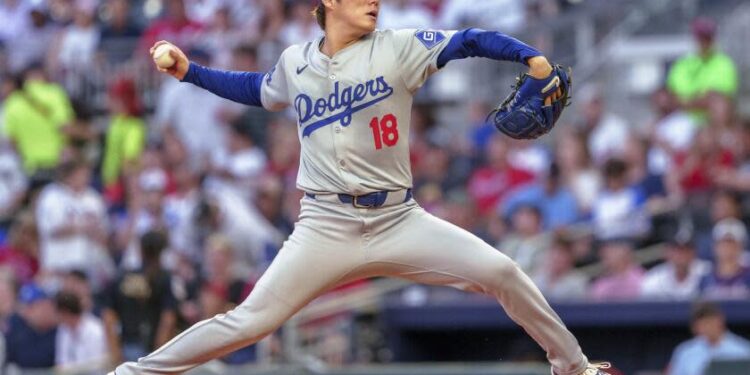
point(335, 243)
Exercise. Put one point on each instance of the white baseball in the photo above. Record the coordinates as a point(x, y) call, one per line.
point(162, 57)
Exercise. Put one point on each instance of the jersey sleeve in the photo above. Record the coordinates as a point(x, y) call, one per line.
point(274, 90)
point(417, 53)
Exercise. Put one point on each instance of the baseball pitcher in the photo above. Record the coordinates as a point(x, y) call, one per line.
point(352, 92)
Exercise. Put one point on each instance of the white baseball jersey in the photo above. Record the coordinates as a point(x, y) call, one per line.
point(354, 109)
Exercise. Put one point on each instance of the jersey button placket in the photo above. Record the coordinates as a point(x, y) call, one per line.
point(331, 71)
point(337, 127)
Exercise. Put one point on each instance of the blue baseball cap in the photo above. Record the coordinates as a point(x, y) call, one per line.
point(31, 293)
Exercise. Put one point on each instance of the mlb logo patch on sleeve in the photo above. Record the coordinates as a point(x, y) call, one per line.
point(430, 38)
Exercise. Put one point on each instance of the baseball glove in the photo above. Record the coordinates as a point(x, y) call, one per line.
point(534, 106)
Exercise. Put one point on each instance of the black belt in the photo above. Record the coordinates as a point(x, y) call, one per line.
point(370, 200)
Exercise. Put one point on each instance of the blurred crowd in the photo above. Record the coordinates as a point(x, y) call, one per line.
point(126, 219)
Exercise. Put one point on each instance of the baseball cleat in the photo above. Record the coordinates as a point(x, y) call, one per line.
point(594, 369)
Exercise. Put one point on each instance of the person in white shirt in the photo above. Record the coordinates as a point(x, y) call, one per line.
point(194, 115)
point(239, 168)
point(606, 130)
point(619, 209)
point(679, 276)
point(14, 16)
point(36, 34)
point(72, 223)
point(79, 41)
point(13, 182)
point(673, 131)
point(80, 344)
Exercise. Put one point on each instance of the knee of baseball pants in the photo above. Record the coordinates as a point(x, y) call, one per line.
point(500, 274)
point(257, 321)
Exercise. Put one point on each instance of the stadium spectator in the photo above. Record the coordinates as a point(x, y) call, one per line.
point(72, 223)
point(77, 283)
point(660, 197)
point(576, 169)
point(705, 82)
point(35, 35)
point(257, 120)
point(712, 341)
point(220, 274)
point(145, 212)
point(78, 41)
point(119, 32)
point(30, 339)
point(179, 212)
point(34, 115)
point(555, 201)
point(635, 156)
point(194, 115)
point(142, 303)
point(724, 205)
point(299, 27)
point(174, 25)
point(222, 36)
point(525, 244)
point(491, 183)
point(7, 302)
point(81, 344)
point(21, 252)
point(15, 20)
point(730, 278)
point(403, 14)
point(557, 277)
point(738, 179)
point(622, 277)
point(604, 130)
point(13, 184)
point(459, 210)
point(695, 170)
point(679, 276)
point(671, 132)
point(238, 166)
point(529, 156)
point(270, 203)
point(618, 210)
point(125, 139)
point(251, 235)
point(431, 172)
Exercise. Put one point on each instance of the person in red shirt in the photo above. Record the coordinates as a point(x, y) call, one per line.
point(21, 252)
point(174, 25)
point(698, 167)
point(489, 184)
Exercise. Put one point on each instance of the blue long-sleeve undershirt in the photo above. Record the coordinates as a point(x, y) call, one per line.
point(489, 44)
point(241, 87)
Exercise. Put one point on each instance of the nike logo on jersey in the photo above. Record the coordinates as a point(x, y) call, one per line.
point(352, 99)
point(302, 69)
